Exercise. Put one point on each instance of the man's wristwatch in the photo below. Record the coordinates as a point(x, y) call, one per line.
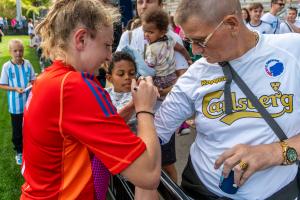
point(289, 154)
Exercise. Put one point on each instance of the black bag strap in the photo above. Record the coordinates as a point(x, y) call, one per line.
point(230, 73)
point(288, 25)
point(277, 25)
point(227, 91)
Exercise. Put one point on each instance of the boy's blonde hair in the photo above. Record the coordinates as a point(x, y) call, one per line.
point(14, 41)
point(65, 15)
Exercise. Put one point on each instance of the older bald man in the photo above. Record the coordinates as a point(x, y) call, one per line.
point(238, 142)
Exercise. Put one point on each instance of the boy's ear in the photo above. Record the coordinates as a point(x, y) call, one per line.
point(108, 77)
point(80, 37)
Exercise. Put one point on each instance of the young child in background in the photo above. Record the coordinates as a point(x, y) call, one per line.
point(120, 73)
point(30, 27)
point(16, 75)
point(160, 51)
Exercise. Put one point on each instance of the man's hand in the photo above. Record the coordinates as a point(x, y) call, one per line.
point(255, 158)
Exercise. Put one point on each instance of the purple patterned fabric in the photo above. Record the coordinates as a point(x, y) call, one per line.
point(101, 178)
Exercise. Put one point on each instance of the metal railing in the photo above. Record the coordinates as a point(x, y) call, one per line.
point(170, 190)
point(120, 189)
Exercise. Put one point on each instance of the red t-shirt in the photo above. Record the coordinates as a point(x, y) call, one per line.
point(69, 117)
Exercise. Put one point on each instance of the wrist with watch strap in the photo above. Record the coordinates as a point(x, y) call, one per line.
point(289, 154)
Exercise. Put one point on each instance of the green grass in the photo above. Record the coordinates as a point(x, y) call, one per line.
point(10, 173)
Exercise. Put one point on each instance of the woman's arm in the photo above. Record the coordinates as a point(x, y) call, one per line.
point(144, 172)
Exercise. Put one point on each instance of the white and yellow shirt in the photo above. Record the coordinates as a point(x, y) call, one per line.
point(272, 71)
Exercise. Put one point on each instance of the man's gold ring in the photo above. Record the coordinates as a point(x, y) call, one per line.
point(243, 165)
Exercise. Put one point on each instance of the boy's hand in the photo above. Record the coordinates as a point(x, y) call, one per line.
point(19, 90)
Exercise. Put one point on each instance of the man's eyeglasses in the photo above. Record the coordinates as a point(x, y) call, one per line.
point(203, 42)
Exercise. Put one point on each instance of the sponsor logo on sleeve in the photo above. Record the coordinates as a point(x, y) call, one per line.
point(274, 68)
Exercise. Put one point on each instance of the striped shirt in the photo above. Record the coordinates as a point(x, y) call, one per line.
point(15, 75)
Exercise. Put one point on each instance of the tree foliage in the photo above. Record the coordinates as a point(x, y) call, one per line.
point(34, 6)
point(8, 7)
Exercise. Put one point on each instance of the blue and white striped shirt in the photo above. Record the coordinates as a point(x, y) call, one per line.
point(15, 75)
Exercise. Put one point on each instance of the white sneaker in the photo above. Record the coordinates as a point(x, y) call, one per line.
point(185, 131)
point(19, 158)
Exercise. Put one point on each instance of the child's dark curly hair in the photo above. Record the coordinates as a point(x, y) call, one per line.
point(118, 56)
point(158, 17)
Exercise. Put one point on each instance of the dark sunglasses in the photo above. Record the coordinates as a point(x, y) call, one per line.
point(281, 4)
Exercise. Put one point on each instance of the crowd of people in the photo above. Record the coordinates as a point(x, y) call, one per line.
point(15, 25)
point(270, 23)
point(72, 130)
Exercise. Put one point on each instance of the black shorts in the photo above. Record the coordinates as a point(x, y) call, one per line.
point(168, 152)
